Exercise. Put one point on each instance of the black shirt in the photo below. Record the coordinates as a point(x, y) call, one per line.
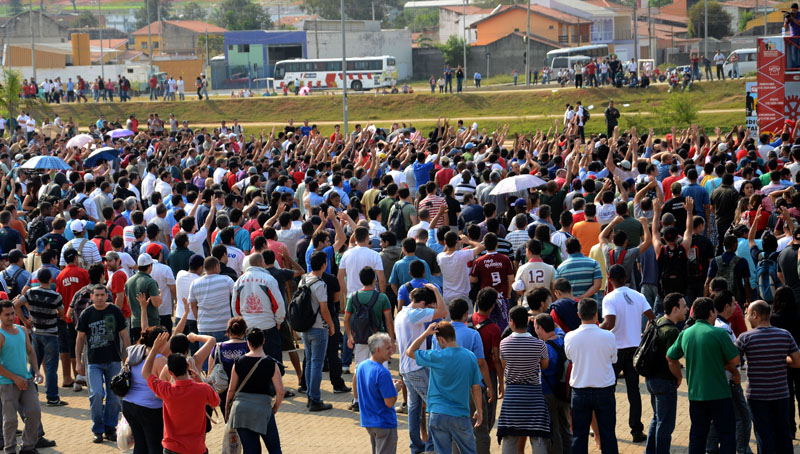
point(787, 265)
point(282, 276)
point(259, 382)
point(102, 328)
point(677, 206)
point(332, 284)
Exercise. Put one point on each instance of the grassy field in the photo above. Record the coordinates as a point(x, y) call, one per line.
point(421, 108)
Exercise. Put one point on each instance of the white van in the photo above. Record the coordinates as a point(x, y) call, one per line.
point(747, 61)
point(568, 62)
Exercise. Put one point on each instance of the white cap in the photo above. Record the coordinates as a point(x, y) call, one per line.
point(722, 147)
point(88, 177)
point(518, 286)
point(77, 225)
point(144, 260)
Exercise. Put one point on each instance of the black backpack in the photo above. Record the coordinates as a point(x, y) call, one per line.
point(647, 358)
point(552, 257)
point(362, 322)
point(586, 115)
point(11, 283)
point(36, 230)
point(673, 267)
point(301, 314)
point(561, 387)
point(397, 223)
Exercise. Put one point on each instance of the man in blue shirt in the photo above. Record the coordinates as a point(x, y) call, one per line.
point(321, 240)
point(401, 273)
point(377, 394)
point(420, 275)
point(702, 202)
point(454, 376)
point(422, 169)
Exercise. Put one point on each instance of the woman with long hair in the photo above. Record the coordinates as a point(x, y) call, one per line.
point(255, 393)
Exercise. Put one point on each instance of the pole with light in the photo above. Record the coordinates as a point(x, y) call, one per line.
point(528, 46)
point(102, 69)
point(33, 41)
point(705, 30)
point(344, 73)
point(464, 27)
point(149, 40)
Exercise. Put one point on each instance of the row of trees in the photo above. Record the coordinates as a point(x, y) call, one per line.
point(230, 14)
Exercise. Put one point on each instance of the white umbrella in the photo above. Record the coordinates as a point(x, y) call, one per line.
point(516, 184)
point(80, 141)
point(119, 133)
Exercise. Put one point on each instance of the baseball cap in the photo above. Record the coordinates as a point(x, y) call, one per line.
point(77, 226)
point(111, 255)
point(41, 244)
point(70, 254)
point(153, 249)
point(252, 171)
point(196, 261)
point(144, 260)
point(520, 202)
point(722, 147)
point(625, 164)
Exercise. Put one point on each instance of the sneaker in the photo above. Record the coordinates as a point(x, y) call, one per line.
point(98, 438)
point(56, 403)
point(342, 390)
point(111, 435)
point(319, 406)
point(345, 371)
point(77, 387)
point(45, 443)
point(302, 390)
point(353, 407)
point(81, 379)
point(402, 408)
point(639, 437)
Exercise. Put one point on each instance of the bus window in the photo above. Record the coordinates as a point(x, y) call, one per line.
point(390, 62)
point(334, 65)
point(375, 65)
point(319, 66)
point(280, 72)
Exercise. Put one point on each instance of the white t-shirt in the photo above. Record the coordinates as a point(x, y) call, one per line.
point(763, 151)
point(290, 237)
point(627, 305)
point(397, 176)
point(455, 273)
point(162, 274)
point(533, 275)
point(235, 259)
point(356, 259)
point(605, 213)
point(128, 264)
point(409, 324)
point(183, 282)
point(196, 241)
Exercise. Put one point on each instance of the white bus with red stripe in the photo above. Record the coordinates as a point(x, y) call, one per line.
point(363, 73)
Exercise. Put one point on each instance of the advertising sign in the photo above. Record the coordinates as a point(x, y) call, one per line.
point(751, 104)
point(771, 95)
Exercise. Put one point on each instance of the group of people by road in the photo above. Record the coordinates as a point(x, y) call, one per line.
point(510, 279)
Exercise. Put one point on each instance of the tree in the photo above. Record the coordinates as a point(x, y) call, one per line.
point(415, 19)
point(744, 18)
point(86, 19)
point(165, 6)
point(453, 50)
point(242, 15)
point(353, 9)
point(15, 7)
point(216, 45)
point(192, 11)
point(719, 21)
point(10, 91)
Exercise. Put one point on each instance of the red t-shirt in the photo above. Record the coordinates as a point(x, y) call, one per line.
point(114, 229)
point(443, 177)
point(492, 270)
point(184, 413)
point(255, 234)
point(106, 246)
point(277, 248)
point(666, 185)
point(71, 279)
point(175, 229)
point(490, 337)
point(117, 284)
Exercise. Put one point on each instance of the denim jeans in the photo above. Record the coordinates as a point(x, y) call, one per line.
point(46, 348)
point(625, 364)
point(417, 386)
point(744, 424)
point(315, 341)
point(601, 401)
point(104, 417)
point(251, 443)
point(347, 354)
point(772, 423)
point(701, 413)
point(664, 399)
point(446, 430)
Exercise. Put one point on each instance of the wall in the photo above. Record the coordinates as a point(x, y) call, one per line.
point(178, 39)
point(515, 19)
point(21, 56)
point(87, 72)
point(139, 41)
point(189, 68)
point(396, 43)
point(450, 24)
point(45, 29)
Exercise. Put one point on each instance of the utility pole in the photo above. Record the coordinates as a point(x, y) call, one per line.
point(102, 69)
point(650, 35)
point(705, 30)
point(373, 10)
point(33, 41)
point(635, 33)
point(765, 16)
point(464, 26)
point(149, 39)
point(344, 73)
point(528, 46)
point(316, 37)
point(160, 28)
point(208, 62)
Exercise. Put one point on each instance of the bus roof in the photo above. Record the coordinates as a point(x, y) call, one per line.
point(578, 49)
point(334, 59)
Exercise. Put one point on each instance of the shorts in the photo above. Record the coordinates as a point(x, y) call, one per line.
point(67, 336)
point(288, 344)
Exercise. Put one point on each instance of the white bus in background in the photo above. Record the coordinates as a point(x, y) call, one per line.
point(363, 73)
point(592, 51)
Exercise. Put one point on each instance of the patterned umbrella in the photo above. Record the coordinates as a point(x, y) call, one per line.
point(45, 163)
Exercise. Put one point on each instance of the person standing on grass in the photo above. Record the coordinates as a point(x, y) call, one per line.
point(377, 393)
point(101, 330)
point(17, 385)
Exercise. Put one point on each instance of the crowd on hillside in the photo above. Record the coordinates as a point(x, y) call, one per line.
point(514, 277)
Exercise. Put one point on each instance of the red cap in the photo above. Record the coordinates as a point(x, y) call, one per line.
point(153, 249)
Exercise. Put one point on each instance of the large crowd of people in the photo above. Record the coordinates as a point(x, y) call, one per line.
point(509, 278)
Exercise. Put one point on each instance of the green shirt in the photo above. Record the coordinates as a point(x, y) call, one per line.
point(179, 259)
point(381, 305)
point(633, 229)
point(386, 205)
point(142, 283)
point(706, 349)
point(556, 203)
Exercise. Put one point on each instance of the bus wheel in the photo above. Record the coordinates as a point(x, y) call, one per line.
point(356, 85)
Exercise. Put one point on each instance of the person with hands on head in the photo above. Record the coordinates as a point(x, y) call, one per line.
point(454, 378)
point(618, 252)
point(17, 389)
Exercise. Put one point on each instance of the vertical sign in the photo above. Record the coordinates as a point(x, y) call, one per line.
point(771, 95)
point(751, 104)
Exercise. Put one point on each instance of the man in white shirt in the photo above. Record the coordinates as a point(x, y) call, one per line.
point(162, 274)
point(455, 271)
point(198, 237)
point(210, 298)
point(257, 298)
point(235, 255)
point(289, 235)
point(593, 352)
point(423, 224)
point(183, 282)
point(535, 273)
point(164, 185)
point(149, 181)
point(622, 315)
point(357, 258)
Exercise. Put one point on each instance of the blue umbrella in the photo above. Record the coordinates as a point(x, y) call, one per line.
point(98, 156)
point(45, 163)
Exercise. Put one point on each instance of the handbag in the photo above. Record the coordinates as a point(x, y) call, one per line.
point(218, 378)
point(121, 383)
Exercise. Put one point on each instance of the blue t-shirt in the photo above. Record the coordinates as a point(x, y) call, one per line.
point(700, 196)
point(305, 130)
point(422, 173)
point(328, 251)
point(400, 271)
point(453, 372)
point(549, 374)
point(468, 338)
point(374, 384)
point(403, 293)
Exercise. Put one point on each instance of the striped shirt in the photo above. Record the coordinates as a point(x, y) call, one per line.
point(44, 305)
point(434, 203)
point(517, 238)
point(580, 271)
point(89, 251)
point(523, 354)
point(766, 349)
point(212, 293)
